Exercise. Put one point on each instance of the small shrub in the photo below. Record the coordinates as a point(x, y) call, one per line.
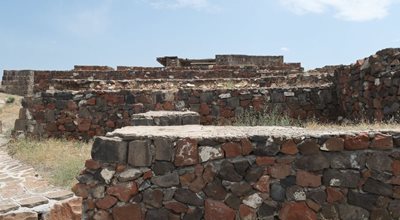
point(266, 117)
point(10, 100)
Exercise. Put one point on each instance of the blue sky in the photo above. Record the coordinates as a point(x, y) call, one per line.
point(56, 34)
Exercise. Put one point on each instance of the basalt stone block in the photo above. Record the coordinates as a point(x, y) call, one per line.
point(315, 162)
point(341, 178)
point(188, 197)
point(157, 214)
point(109, 150)
point(233, 201)
point(308, 147)
point(242, 189)
point(329, 212)
point(254, 173)
point(139, 153)
point(228, 172)
point(218, 210)
point(194, 214)
point(347, 160)
point(162, 167)
point(167, 180)
point(394, 208)
point(366, 201)
point(277, 192)
point(352, 212)
point(215, 190)
point(333, 144)
point(164, 149)
point(153, 198)
point(268, 148)
point(379, 161)
point(378, 188)
point(266, 210)
point(382, 142)
point(186, 152)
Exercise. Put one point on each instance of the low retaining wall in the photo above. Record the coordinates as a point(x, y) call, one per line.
point(370, 88)
point(166, 118)
point(196, 172)
point(86, 114)
point(18, 82)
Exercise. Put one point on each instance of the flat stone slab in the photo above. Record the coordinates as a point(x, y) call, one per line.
point(165, 118)
point(33, 201)
point(8, 205)
point(206, 132)
point(59, 195)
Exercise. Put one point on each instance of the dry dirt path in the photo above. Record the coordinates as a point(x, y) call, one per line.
point(24, 194)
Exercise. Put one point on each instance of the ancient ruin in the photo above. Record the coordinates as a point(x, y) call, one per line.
point(192, 169)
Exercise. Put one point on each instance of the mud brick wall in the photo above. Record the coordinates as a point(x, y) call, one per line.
point(18, 82)
point(370, 88)
point(86, 114)
point(197, 172)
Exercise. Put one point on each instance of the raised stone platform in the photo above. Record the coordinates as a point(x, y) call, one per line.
point(166, 118)
point(196, 172)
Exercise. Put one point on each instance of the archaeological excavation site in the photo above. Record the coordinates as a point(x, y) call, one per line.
point(180, 141)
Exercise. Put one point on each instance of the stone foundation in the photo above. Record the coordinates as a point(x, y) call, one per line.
point(195, 172)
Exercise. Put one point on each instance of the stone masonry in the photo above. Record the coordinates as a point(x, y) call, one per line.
point(24, 195)
point(198, 172)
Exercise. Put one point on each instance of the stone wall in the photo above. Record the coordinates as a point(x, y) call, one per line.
point(370, 88)
point(194, 172)
point(244, 60)
point(18, 82)
point(89, 113)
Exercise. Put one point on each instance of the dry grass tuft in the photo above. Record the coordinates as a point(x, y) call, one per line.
point(59, 161)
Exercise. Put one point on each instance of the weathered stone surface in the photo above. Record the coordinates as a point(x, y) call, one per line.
point(66, 210)
point(379, 161)
point(164, 149)
point(315, 162)
point(297, 210)
point(228, 172)
point(124, 192)
point(296, 193)
point(380, 214)
point(215, 210)
point(8, 205)
point(207, 153)
point(289, 147)
point(102, 215)
point(266, 210)
point(268, 148)
point(306, 179)
point(129, 174)
point(128, 212)
point(241, 167)
point(349, 212)
point(308, 147)
point(262, 184)
point(109, 150)
point(188, 197)
point(241, 189)
point(193, 214)
point(358, 142)
point(157, 214)
point(167, 180)
point(366, 201)
point(277, 192)
point(394, 208)
point(92, 164)
point(153, 198)
point(21, 216)
point(186, 152)
point(232, 149)
point(162, 167)
point(333, 144)
point(280, 171)
point(254, 200)
point(107, 174)
point(32, 201)
point(377, 187)
point(334, 195)
point(347, 160)
point(341, 178)
point(106, 202)
point(139, 153)
point(176, 207)
point(382, 142)
point(215, 190)
point(233, 201)
point(247, 213)
point(263, 161)
point(254, 173)
point(329, 212)
point(396, 167)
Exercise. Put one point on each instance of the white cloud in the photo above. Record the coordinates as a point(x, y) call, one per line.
point(285, 49)
point(179, 4)
point(350, 10)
